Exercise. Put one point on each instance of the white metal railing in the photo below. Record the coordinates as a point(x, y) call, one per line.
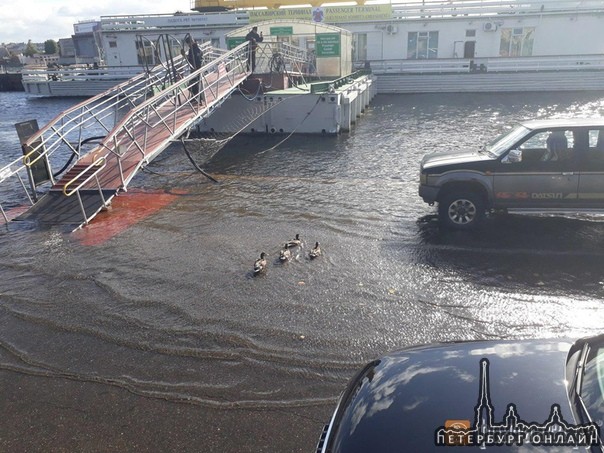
point(64, 134)
point(79, 74)
point(281, 57)
point(481, 8)
point(500, 64)
point(164, 112)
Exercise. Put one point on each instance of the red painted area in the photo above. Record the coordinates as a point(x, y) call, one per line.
point(127, 209)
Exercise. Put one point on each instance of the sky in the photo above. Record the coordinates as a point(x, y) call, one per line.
point(39, 20)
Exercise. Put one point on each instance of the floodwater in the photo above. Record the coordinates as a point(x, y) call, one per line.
point(147, 331)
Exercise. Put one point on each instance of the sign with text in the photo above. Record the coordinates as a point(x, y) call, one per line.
point(327, 45)
point(234, 42)
point(282, 31)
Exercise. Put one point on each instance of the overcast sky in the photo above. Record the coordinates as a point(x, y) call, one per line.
point(40, 20)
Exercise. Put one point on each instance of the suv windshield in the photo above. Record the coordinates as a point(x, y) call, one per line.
point(506, 140)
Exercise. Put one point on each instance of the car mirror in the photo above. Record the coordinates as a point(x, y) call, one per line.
point(514, 156)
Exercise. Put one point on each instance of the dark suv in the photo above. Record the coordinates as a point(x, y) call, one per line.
point(554, 166)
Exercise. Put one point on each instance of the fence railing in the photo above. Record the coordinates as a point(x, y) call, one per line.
point(489, 8)
point(282, 57)
point(80, 74)
point(477, 65)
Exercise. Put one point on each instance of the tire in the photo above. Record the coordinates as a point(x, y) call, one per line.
point(461, 210)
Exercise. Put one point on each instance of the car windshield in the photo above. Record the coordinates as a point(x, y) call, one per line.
point(592, 385)
point(502, 143)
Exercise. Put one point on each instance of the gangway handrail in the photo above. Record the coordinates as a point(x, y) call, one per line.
point(101, 162)
point(166, 93)
point(92, 111)
point(117, 89)
point(146, 102)
point(122, 138)
point(62, 125)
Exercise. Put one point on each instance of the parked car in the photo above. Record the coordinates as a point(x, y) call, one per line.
point(417, 399)
point(541, 166)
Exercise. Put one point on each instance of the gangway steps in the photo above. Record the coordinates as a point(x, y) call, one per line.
point(55, 208)
point(76, 174)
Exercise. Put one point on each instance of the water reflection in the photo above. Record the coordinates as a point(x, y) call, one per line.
point(557, 253)
point(165, 307)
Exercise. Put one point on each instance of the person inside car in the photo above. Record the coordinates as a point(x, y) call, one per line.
point(557, 147)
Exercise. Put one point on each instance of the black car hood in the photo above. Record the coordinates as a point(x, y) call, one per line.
point(453, 158)
point(399, 402)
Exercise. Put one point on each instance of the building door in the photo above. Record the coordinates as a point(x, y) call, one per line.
point(113, 54)
point(469, 48)
point(359, 47)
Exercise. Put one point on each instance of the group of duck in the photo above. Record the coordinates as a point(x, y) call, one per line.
point(285, 254)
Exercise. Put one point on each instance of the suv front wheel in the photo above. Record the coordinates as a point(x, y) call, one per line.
point(461, 210)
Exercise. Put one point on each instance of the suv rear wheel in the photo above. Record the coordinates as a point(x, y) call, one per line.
point(461, 210)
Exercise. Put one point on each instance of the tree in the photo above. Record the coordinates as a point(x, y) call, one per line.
point(30, 49)
point(50, 47)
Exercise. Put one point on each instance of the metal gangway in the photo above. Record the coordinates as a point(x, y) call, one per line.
point(134, 121)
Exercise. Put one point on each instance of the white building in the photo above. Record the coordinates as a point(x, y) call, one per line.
point(434, 30)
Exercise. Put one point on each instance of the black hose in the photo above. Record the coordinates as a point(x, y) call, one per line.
point(74, 153)
point(197, 167)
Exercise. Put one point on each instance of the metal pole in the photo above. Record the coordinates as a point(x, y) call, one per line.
point(4, 214)
point(98, 183)
point(32, 183)
point(82, 206)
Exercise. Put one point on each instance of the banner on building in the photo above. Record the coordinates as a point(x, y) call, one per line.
point(328, 14)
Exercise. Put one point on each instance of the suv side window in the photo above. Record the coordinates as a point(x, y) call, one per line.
point(534, 148)
point(595, 152)
point(548, 146)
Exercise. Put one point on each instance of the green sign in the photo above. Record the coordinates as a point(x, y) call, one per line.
point(328, 45)
point(234, 42)
point(282, 31)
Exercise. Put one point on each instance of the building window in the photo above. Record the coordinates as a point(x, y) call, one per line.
point(113, 44)
point(517, 42)
point(422, 45)
point(144, 53)
point(470, 33)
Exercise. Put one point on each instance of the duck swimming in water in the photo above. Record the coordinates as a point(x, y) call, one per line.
point(260, 264)
point(294, 242)
point(285, 254)
point(315, 252)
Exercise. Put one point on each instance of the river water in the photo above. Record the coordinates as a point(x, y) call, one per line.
point(160, 303)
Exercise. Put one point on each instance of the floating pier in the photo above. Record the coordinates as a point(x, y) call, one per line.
point(326, 107)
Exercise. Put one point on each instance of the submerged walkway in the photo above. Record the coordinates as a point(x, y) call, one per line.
point(145, 130)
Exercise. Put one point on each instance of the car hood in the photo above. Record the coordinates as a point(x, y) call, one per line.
point(453, 158)
point(398, 402)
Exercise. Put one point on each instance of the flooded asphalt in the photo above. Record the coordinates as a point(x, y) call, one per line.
point(148, 332)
